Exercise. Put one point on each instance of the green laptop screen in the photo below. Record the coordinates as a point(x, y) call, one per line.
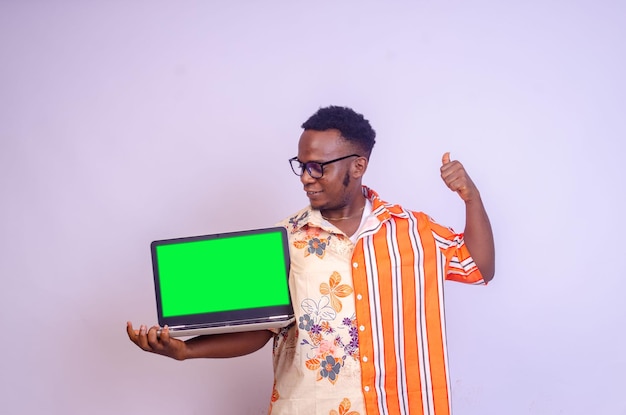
point(222, 274)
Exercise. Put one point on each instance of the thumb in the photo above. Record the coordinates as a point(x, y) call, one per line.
point(446, 158)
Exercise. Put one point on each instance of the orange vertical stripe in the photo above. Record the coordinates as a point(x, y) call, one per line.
point(410, 301)
point(366, 348)
point(385, 283)
point(436, 349)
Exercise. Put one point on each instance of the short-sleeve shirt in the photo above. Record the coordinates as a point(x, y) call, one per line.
point(369, 336)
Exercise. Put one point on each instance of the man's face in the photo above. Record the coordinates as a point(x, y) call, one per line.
point(340, 183)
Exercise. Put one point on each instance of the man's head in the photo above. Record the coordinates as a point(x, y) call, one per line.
point(353, 127)
point(333, 154)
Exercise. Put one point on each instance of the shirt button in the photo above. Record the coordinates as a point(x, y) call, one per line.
point(366, 389)
point(355, 264)
point(365, 358)
point(362, 328)
point(359, 297)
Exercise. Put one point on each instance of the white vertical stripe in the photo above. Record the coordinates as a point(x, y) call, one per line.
point(398, 316)
point(422, 337)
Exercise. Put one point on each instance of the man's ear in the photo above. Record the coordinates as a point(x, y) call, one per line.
point(359, 167)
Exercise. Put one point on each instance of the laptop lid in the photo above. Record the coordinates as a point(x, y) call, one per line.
point(234, 281)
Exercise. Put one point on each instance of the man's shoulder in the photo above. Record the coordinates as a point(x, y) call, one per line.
point(397, 212)
point(380, 205)
point(393, 210)
point(295, 219)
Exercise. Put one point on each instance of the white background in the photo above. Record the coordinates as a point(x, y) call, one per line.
point(126, 122)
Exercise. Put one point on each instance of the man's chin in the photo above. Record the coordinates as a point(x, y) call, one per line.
point(314, 200)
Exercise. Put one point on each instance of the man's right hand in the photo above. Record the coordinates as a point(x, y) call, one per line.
point(213, 346)
point(163, 344)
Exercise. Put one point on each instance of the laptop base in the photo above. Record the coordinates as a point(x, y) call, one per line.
point(233, 328)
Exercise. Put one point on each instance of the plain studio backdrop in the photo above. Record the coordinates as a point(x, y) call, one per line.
point(126, 122)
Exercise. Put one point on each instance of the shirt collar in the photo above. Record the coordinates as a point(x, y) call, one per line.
point(313, 217)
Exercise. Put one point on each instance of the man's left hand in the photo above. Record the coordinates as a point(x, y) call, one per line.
point(456, 178)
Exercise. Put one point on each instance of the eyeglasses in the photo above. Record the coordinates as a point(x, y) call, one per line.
point(315, 169)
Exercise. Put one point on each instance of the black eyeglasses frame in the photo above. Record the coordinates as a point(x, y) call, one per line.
point(306, 165)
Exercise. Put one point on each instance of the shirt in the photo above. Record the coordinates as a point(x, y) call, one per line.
point(369, 336)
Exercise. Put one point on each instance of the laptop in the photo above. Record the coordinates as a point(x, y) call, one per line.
point(225, 282)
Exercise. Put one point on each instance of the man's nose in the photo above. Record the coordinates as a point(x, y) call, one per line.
point(306, 177)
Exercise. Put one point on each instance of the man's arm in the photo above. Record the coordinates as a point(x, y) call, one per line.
point(214, 346)
point(478, 234)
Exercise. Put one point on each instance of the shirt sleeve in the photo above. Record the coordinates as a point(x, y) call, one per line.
point(460, 265)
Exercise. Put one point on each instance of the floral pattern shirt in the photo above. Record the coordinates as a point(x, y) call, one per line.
point(316, 360)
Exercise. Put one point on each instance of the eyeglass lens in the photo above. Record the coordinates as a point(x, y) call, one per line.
point(315, 170)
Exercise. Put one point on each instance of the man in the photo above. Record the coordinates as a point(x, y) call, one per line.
point(366, 281)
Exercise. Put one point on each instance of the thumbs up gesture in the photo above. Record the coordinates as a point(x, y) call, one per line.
point(456, 178)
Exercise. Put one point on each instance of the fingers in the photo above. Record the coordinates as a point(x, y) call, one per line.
point(165, 336)
point(152, 336)
point(132, 333)
point(446, 158)
point(456, 178)
point(450, 168)
point(142, 339)
point(145, 339)
point(156, 340)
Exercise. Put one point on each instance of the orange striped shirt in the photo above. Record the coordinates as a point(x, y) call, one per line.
point(370, 335)
point(399, 267)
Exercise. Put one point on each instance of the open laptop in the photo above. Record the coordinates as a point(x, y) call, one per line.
point(226, 282)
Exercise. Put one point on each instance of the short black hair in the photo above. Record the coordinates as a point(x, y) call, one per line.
point(352, 125)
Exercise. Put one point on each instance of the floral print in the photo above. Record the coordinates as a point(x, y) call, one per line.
point(330, 368)
point(313, 246)
point(328, 350)
point(344, 407)
point(319, 318)
point(317, 363)
point(317, 247)
point(294, 222)
point(305, 322)
point(335, 291)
